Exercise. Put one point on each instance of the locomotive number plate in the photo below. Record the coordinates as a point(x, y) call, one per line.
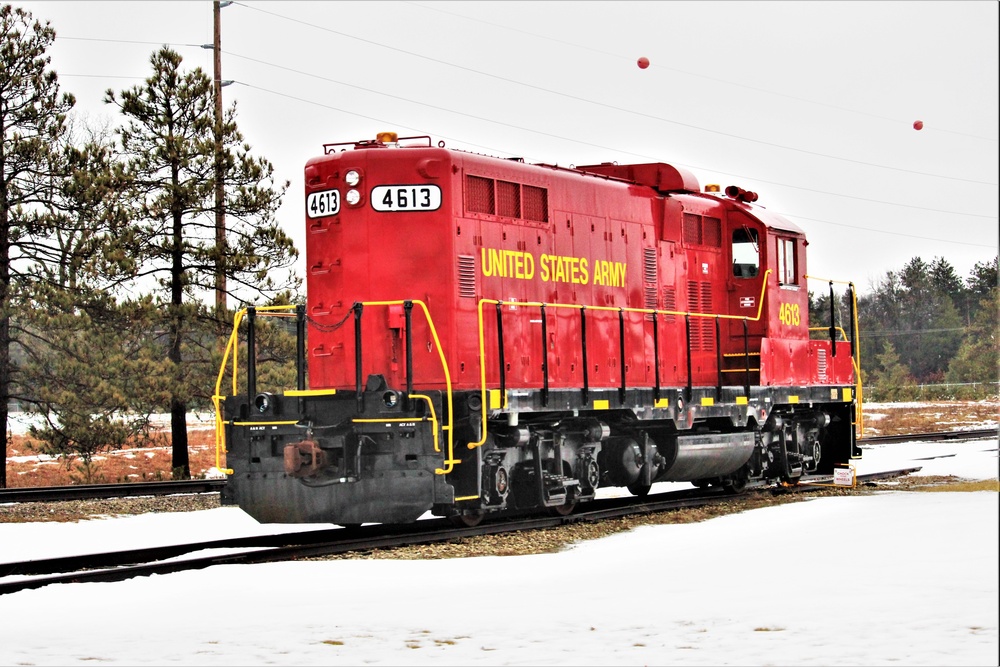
point(390, 198)
point(323, 203)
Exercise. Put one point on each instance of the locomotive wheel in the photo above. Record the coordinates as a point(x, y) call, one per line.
point(640, 490)
point(734, 485)
point(467, 520)
point(563, 510)
point(737, 482)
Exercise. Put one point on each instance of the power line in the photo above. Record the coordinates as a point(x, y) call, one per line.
point(584, 143)
point(699, 75)
point(883, 231)
point(603, 104)
point(910, 332)
point(568, 139)
point(490, 148)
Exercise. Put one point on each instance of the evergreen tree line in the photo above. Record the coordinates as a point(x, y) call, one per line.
point(108, 248)
point(924, 332)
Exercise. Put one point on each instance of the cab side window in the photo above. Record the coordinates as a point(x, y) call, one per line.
point(746, 253)
point(787, 275)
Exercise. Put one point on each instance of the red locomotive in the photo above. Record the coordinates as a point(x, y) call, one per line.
point(485, 335)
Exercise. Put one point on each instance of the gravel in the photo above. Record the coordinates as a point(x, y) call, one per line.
point(83, 510)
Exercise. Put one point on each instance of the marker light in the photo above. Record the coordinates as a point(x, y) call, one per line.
point(353, 197)
point(352, 178)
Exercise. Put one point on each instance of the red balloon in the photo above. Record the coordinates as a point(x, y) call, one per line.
point(918, 125)
point(643, 62)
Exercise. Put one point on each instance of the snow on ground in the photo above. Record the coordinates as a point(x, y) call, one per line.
point(892, 578)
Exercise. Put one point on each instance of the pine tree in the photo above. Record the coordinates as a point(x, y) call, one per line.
point(932, 321)
point(978, 358)
point(90, 369)
point(97, 378)
point(32, 119)
point(945, 281)
point(981, 283)
point(892, 381)
point(880, 314)
point(169, 138)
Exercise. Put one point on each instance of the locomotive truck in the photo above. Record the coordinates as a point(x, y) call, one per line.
point(483, 335)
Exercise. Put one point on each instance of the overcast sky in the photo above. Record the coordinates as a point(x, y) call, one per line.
point(810, 104)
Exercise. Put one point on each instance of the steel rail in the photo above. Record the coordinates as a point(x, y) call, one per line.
point(317, 543)
point(970, 434)
point(102, 491)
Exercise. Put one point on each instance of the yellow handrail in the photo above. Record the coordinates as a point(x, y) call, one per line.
point(857, 367)
point(840, 329)
point(434, 421)
point(451, 460)
point(538, 304)
point(217, 398)
point(856, 360)
point(232, 346)
point(829, 280)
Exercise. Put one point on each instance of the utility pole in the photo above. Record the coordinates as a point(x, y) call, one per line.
point(220, 186)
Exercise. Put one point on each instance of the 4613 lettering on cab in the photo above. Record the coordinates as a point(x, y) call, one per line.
point(788, 314)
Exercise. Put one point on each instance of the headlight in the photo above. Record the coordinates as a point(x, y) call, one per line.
point(352, 178)
point(353, 197)
point(263, 403)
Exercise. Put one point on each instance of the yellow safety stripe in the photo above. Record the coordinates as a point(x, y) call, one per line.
point(309, 392)
point(275, 423)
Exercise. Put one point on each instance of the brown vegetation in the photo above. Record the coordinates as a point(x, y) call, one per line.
point(903, 418)
point(27, 466)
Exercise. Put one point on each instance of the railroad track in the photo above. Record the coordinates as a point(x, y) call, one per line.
point(134, 489)
point(42, 494)
point(122, 565)
point(972, 434)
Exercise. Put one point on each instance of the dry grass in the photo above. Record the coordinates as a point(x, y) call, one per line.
point(964, 486)
point(902, 418)
point(152, 463)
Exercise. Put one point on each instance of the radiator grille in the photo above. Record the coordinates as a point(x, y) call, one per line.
point(649, 265)
point(479, 196)
point(702, 328)
point(702, 230)
point(692, 229)
point(649, 277)
point(669, 297)
point(506, 198)
point(467, 276)
point(536, 203)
